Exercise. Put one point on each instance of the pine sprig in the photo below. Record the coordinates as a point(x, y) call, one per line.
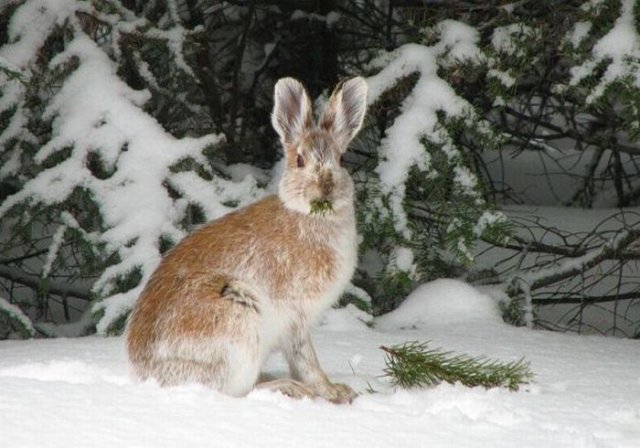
point(321, 208)
point(414, 364)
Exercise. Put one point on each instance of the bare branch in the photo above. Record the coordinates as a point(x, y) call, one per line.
point(35, 282)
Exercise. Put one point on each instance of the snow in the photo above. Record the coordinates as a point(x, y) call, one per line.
point(458, 41)
point(403, 259)
point(505, 78)
point(12, 165)
point(579, 33)
point(574, 263)
point(176, 38)
point(240, 171)
point(550, 177)
point(442, 300)
point(487, 219)
point(28, 30)
point(359, 293)
point(402, 147)
point(330, 19)
point(595, 229)
point(78, 392)
point(54, 247)
point(96, 114)
point(622, 40)
point(16, 313)
point(586, 392)
point(465, 179)
point(619, 49)
point(505, 38)
point(30, 27)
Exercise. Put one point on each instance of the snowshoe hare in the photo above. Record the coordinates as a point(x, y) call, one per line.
point(254, 280)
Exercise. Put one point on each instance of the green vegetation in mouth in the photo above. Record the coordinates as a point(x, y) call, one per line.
point(321, 207)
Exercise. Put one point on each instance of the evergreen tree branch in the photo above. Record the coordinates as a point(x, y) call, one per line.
point(35, 283)
point(413, 364)
point(18, 318)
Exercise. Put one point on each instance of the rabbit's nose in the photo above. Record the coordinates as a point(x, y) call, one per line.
point(326, 183)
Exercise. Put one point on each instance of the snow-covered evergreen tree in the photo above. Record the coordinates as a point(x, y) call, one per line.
point(122, 124)
point(423, 207)
point(100, 188)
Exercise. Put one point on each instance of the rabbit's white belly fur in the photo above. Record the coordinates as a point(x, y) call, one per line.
point(279, 316)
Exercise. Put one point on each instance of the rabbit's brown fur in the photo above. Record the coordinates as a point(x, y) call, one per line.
point(254, 280)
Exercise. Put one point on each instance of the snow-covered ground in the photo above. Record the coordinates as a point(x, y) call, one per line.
point(586, 393)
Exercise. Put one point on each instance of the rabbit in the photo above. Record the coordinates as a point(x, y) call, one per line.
point(254, 280)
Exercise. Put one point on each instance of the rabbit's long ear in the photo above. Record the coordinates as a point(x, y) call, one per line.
point(345, 110)
point(292, 112)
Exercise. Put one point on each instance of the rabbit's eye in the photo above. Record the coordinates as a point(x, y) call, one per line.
point(300, 161)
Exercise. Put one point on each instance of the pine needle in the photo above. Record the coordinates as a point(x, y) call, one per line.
point(321, 207)
point(413, 364)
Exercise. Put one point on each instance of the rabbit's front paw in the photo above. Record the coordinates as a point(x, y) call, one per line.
point(337, 393)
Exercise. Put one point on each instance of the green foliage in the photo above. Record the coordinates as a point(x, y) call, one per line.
point(147, 52)
point(446, 203)
point(15, 320)
point(12, 74)
point(321, 208)
point(209, 67)
point(348, 298)
point(414, 364)
point(395, 285)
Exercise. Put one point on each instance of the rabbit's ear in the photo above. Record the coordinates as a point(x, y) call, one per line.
point(345, 110)
point(292, 112)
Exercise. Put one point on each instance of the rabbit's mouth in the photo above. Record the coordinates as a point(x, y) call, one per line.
point(321, 207)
